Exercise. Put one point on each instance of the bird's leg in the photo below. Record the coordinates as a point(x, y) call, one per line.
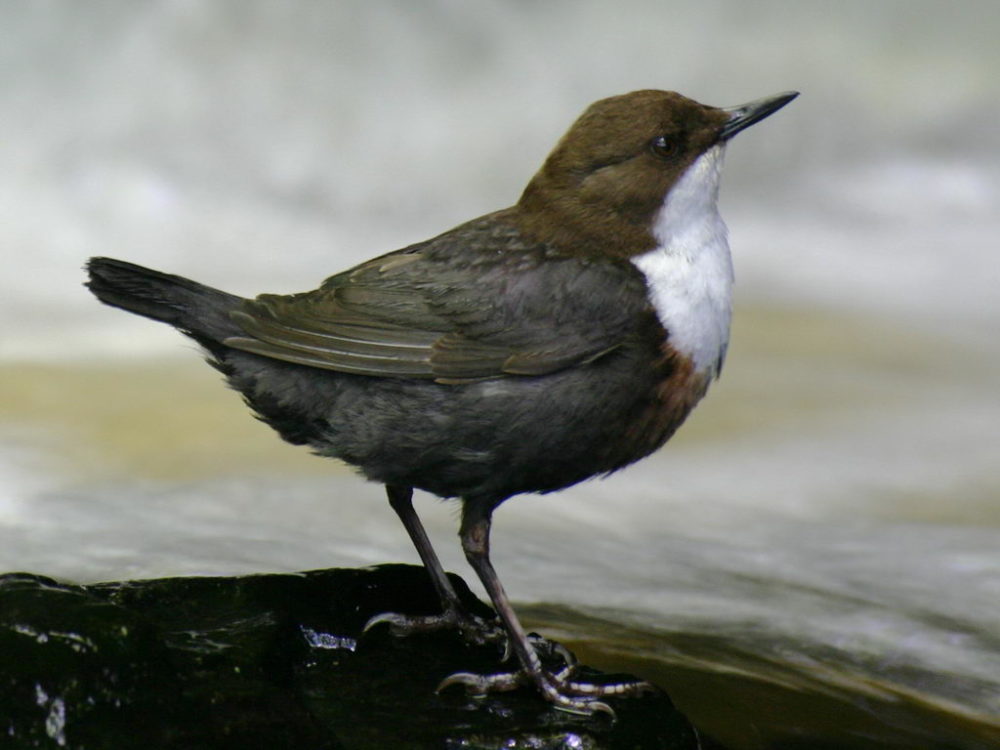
point(454, 614)
point(401, 500)
point(578, 697)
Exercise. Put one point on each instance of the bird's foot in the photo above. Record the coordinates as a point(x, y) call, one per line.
point(558, 687)
point(473, 628)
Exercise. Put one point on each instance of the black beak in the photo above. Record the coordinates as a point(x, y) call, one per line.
point(747, 114)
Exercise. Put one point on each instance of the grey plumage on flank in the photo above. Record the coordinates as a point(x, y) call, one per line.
point(524, 351)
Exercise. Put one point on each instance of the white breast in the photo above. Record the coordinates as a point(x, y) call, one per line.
point(690, 272)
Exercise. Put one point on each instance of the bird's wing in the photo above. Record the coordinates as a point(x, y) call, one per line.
point(452, 313)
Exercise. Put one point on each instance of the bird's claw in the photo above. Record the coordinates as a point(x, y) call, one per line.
point(483, 684)
point(399, 625)
point(558, 687)
point(564, 693)
point(474, 629)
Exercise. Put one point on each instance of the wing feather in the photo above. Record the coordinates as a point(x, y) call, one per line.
point(455, 309)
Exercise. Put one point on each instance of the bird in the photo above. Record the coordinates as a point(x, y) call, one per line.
point(561, 338)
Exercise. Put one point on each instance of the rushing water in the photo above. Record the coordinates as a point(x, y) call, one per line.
point(825, 532)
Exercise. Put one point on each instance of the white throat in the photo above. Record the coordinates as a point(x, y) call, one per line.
point(690, 272)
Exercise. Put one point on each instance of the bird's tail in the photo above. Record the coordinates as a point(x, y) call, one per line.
point(197, 310)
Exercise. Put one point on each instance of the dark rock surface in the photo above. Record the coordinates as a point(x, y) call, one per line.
point(271, 661)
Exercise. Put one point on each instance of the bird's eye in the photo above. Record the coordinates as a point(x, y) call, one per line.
point(663, 146)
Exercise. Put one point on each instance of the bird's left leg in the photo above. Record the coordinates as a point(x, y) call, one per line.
point(454, 614)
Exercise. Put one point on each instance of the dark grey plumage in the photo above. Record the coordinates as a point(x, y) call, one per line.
point(430, 367)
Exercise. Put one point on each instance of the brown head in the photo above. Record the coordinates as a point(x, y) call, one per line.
point(604, 183)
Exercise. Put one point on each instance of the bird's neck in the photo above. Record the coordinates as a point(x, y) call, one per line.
point(556, 214)
point(690, 272)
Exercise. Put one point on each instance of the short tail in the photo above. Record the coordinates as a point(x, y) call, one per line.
point(195, 309)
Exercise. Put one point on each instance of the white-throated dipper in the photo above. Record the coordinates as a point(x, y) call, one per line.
point(524, 351)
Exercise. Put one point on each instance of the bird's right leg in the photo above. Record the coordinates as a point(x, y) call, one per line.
point(454, 614)
point(557, 687)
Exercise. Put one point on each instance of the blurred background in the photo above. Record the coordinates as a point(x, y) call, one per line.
point(834, 503)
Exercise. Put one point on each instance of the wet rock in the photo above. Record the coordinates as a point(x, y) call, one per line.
point(271, 661)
